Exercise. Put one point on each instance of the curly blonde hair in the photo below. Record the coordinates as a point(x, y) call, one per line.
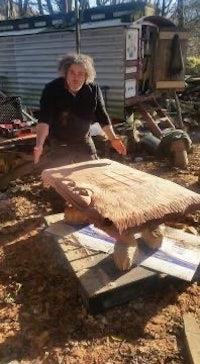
point(81, 59)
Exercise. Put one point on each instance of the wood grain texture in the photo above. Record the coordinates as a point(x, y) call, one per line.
point(127, 197)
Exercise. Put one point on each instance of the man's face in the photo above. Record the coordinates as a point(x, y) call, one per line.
point(76, 77)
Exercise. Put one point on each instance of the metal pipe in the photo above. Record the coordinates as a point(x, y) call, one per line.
point(77, 20)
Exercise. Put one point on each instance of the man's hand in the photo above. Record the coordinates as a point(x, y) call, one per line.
point(118, 146)
point(42, 131)
point(37, 153)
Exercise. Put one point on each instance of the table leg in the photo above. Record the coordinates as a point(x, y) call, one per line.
point(153, 235)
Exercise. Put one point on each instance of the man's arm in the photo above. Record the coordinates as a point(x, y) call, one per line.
point(115, 141)
point(42, 131)
point(106, 125)
point(45, 116)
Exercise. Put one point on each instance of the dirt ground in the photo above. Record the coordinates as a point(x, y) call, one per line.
point(42, 317)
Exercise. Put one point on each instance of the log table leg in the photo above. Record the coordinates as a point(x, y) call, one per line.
point(126, 246)
point(125, 250)
point(153, 236)
point(124, 255)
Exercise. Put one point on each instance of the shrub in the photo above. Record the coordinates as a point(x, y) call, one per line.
point(192, 66)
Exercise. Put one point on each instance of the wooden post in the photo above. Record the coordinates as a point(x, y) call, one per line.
point(178, 107)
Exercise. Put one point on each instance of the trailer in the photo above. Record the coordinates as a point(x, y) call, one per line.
point(132, 50)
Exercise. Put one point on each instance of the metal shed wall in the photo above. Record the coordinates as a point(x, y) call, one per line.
point(29, 61)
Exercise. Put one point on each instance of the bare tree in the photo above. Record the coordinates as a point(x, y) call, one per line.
point(10, 9)
point(184, 10)
point(164, 7)
point(180, 13)
point(49, 6)
point(191, 10)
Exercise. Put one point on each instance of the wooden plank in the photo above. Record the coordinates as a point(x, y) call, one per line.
point(101, 284)
point(170, 35)
point(170, 85)
point(4, 141)
point(149, 120)
point(161, 76)
point(192, 336)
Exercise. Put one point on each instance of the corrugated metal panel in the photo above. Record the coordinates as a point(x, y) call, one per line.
point(8, 66)
point(28, 62)
point(107, 47)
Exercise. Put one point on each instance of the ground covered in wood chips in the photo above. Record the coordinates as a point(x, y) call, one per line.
point(42, 317)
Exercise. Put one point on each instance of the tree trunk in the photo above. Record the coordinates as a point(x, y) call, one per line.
point(24, 8)
point(180, 8)
point(49, 6)
point(40, 7)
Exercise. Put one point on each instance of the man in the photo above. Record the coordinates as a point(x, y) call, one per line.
point(69, 105)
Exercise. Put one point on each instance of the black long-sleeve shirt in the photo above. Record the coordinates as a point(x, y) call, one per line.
point(70, 116)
